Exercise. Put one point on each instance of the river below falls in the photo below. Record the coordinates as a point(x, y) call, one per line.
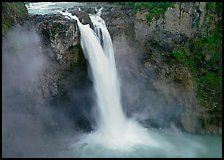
point(171, 145)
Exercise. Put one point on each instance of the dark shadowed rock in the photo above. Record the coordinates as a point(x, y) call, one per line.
point(82, 15)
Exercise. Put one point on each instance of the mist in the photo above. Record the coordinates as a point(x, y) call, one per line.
point(31, 126)
point(141, 101)
point(36, 127)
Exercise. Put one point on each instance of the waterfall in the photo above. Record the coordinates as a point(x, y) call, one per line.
point(113, 128)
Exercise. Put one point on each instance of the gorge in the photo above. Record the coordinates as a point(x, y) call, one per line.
point(156, 90)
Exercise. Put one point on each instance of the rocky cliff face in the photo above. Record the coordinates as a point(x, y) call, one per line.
point(66, 80)
point(156, 85)
point(183, 21)
point(180, 24)
point(151, 43)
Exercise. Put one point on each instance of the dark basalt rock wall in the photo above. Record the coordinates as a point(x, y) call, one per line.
point(155, 86)
point(150, 44)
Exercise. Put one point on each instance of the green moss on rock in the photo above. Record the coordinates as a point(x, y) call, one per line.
point(203, 57)
point(154, 9)
point(12, 13)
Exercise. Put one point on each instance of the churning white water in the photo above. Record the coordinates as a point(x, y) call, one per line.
point(113, 130)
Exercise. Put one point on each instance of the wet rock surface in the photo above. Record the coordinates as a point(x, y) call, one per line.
point(134, 40)
point(66, 74)
point(151, 45)
point(184, 21)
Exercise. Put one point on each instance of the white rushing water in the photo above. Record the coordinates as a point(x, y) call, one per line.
point(113, 130)
point(49, 7)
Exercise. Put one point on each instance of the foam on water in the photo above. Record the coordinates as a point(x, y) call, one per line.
point(171, 145)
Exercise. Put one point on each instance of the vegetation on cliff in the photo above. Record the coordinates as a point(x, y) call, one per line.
point(12, 13)
point(203, 57)
point(154, 9)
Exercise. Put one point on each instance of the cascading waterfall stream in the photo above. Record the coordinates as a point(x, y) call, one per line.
point(60, 129)
point(114, 130)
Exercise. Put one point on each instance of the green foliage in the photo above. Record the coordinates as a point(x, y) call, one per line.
point(12, 12)
point(6, 24)
point(211, 6)
point(155, 9)
point(203, 57)
point(214, 7)
point(179, 55)
point(131, 4)
point(199, 49)
point(218, 8)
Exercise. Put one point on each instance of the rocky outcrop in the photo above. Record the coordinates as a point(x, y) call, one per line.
point(183, 21)
point(142, 52)
point(65, 81)
point(119, 21)
point(175, 83)
point(59, 33)
point(151, 44)
point(179, 24)
point(60, 38)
